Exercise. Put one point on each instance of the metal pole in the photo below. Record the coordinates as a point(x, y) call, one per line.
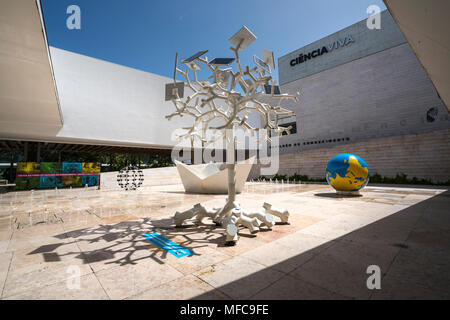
point(11, 168)
point(231, 165)
point(38, 153)
point(25, 151)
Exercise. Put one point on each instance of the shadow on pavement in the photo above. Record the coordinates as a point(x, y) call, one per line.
point(411, 247)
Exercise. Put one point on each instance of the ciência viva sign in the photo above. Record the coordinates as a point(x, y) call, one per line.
point(320, 51)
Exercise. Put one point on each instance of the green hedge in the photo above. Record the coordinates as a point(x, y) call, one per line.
point(295, 177)
point(400, 178)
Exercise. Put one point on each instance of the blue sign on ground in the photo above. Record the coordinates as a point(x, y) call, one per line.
point(171, 247)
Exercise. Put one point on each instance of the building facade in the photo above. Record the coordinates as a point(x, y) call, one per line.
point(363, 91)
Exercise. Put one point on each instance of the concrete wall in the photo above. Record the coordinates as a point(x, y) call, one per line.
point(381, 95)
point(107, 103)
point(28, 101)
point(152, 177)
point(370, 97)
point(366, 42)
point(424, 155)
point(425, 25)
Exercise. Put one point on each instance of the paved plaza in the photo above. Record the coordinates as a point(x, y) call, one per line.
point(47, 237)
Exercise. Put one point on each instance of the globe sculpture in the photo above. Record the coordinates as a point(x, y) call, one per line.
point(347, 173)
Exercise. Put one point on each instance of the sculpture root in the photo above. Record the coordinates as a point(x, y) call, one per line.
point(232, 216)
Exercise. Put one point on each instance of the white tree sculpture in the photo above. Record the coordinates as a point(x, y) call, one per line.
point(220, 100)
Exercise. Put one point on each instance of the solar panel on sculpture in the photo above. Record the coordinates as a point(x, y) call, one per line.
point(247, 82)
point(243, 37)
point(170, 90)
point(195, 56)
point(268, 89)
point(175, 67)
point(222, 61)
point(261, 63)
point(205, 83)
point(193, 66)
point(268, 58)
point(223, 77)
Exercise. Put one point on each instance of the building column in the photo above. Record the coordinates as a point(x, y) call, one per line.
point(38, 152)
point(111, 160)
point(11, 168)
point(25, 151)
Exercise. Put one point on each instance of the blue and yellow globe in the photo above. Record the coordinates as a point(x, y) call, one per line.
point(347, 172)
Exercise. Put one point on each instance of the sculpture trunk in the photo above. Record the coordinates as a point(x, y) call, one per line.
point(231, 182)
point(231, 165)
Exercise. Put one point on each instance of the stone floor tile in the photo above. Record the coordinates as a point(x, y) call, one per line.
point(89, 289)
point(329, 244)
point(302, 242)
point(290, 288)
point(238, 277)
point(278, 257)
point(202, 257)
point(32, 278)
point(337, 226)
point(129, 280)
point(426, 267)
point(51, 254)
point(342, 267)
point(406, 288)
point(187, 287)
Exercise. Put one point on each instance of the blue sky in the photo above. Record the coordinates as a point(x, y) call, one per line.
point(145, 34)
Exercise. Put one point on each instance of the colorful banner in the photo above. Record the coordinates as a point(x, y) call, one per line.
point(54, 174)
point(28, 167)
point(72, 167)
point(50, 175)
point(89, 167)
